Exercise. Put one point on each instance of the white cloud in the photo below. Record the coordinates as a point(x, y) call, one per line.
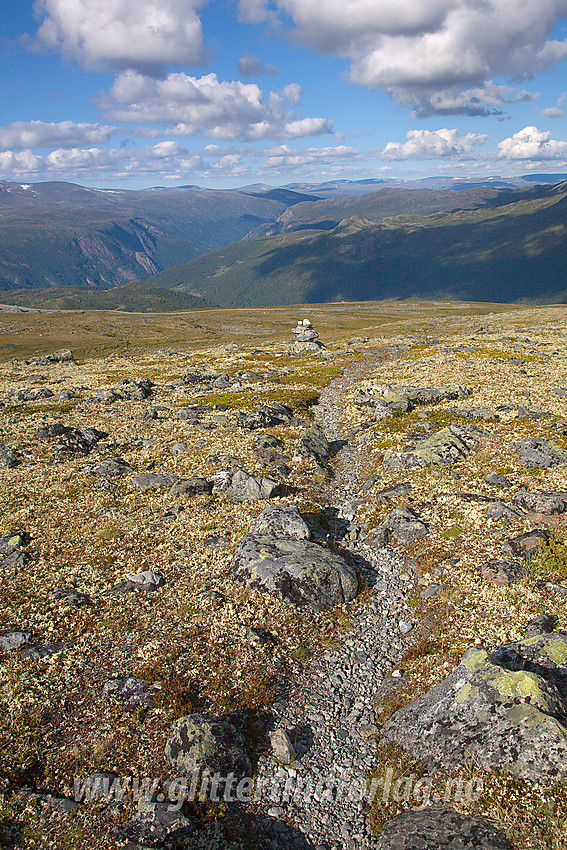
point(285, 156)
point(293, 93)
point(307, 127)
point(428, 52)
point(21, 135)
point(216, 108)
point(557, 110)
point(434, 144)
point(143, 34)
point(552, 112)
point(250, 66)
point(531, 143)
point(488, 99)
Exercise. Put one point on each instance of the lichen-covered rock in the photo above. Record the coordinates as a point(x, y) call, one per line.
point(155, 824)
point(496, 479)
point(72, 441)
point(440, 828)
point(71, 598)
point(198, 742)
point(281, 521)
point(526, 545)
point(502, 571)
point(127, 690)
point(112, 467)
point(444, 447)
point(14, 640)
point(405, 399)
point(9, 457)
point(539, 452)
point(297, 571)
point(313, 444)
point(506, 709)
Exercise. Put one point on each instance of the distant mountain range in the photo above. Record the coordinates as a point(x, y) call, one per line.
point(68, 247)
point(503, 246)
point(60, 234)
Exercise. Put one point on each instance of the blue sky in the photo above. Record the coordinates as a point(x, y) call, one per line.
point(136, 93)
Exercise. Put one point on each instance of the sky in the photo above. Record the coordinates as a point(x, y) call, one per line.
point(140, 93)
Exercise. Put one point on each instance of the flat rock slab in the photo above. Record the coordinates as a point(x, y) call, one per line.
point(153, 481)
point(265, 417)
point(507, 710)
point(539, 452)
point(440, 828)
point(198, 742)
point(14, 640)
point(192, 487)
point(70, 597)
point(155, 824)
point(526, 545)
point(543, 502)
point(405, 399)
point(296, 571)
point(502, 571)
point(112, 467)
point(128, 691)
point(403, 525)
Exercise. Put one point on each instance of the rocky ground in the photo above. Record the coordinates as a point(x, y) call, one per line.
point(329, 567)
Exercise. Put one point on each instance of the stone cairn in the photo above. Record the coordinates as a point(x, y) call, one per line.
point(306, 338)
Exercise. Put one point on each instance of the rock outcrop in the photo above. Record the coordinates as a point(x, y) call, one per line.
point(505, 711)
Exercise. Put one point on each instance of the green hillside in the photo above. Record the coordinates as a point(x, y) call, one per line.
point(505, 250)
point(135, 297)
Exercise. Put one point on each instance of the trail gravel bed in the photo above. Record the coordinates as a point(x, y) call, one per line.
point(319, 801)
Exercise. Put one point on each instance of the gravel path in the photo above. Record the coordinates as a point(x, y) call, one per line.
point(330, 716)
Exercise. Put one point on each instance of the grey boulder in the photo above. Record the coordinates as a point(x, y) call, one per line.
point(281, 521)
point(440, 828)
point(313, 444)
point(240, 486)
point(294, 570)
point(403, 525)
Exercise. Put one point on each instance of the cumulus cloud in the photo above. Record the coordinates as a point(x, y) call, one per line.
point(21, 135)
point(220, 109)
point(488, 99)
point(435, 144)
point(250, 66)
point(117, 34)
point(531, 143)
point(427, 52)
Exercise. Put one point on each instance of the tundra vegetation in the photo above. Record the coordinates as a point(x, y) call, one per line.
point(102, 456)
